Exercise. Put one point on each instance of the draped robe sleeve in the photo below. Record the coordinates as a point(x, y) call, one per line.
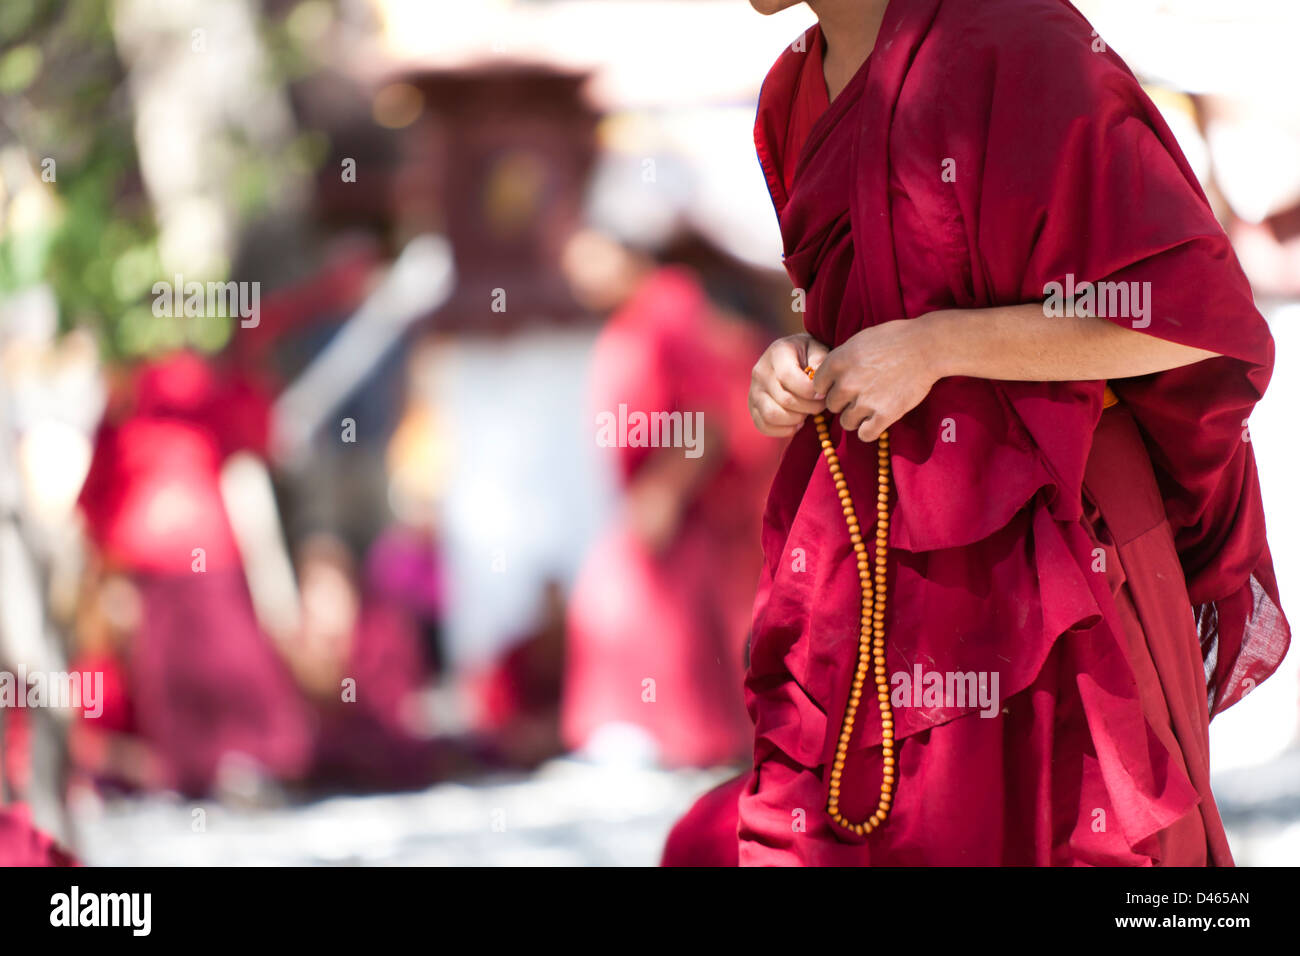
point(1064, 168)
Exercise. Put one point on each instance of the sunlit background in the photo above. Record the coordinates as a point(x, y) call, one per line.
point(360, 584)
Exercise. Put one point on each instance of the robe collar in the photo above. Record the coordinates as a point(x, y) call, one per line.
point(903, 29)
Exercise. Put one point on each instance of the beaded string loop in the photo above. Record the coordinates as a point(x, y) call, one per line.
point(871, 636)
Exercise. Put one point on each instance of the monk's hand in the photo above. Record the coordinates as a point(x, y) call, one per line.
point(781, 396)
point(879, 375)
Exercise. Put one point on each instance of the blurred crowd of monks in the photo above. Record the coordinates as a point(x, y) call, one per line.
point(216, 685)
point(206, 695)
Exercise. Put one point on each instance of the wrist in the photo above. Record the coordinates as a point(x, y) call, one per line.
point(939, 337)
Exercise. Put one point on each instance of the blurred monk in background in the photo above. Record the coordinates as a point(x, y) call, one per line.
point(659, 616)
point(209, 689)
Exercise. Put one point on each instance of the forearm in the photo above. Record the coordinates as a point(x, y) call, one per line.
point(1020, 343)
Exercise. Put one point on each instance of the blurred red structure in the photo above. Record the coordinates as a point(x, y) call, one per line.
point(498, 161)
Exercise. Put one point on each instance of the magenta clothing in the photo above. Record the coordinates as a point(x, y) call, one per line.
point(404, 567)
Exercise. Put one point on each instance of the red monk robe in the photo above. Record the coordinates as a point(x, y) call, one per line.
point(678, 617)
point(1034, 538)
point(22, 844)
point(706, 833)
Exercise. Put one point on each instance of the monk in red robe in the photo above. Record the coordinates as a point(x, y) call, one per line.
point(1009, 266)
point(206, 683)
point(359, 658)
point(659, 614)
point(517, 696)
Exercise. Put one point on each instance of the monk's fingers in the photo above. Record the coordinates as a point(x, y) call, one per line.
point(873, 427)
point(788, 366)
point(823, 382)
point(840, 394)
point(766, 411)
point(780, 432)
point(755, 391)
point(855, 415)
point(815, 359)
point(794, 403)
point(817, 353)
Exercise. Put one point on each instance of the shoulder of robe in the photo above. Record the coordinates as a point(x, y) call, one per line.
point(1044, 50)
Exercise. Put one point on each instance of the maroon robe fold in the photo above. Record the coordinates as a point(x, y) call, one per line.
point(706, 833)
point(1085, 561)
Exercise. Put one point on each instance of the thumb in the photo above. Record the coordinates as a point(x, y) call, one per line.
point(817, 353)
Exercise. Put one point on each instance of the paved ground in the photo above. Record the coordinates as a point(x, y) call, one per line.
point(569, 814)
point(1261, 809)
